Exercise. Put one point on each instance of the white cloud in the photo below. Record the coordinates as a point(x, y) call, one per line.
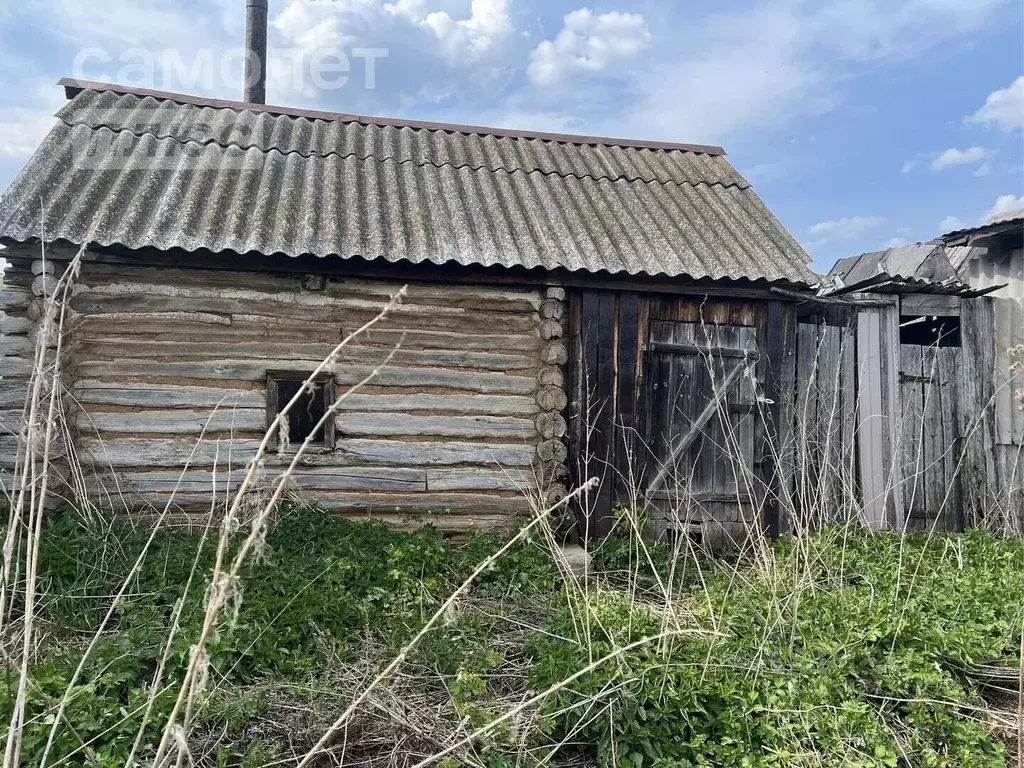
point(460, 39)
point(847, 228)
point(908, 166)
point(1004, 107)
point(951, 224)
point(1004, 204)
point(765, 67)
point(20, 139)
point(951, 158)
point(588, 43)
point(894, 242)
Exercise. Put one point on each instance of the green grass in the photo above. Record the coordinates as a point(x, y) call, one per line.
point(851, 647)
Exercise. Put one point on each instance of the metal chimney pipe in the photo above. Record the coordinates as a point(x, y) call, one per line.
point(255, 85)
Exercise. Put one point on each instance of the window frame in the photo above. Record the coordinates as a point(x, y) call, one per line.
point(274, 378)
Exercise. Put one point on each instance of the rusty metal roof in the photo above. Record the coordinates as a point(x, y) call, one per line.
point(142, 169)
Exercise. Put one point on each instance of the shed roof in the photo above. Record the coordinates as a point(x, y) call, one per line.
point(146, 169)
point(916, 268)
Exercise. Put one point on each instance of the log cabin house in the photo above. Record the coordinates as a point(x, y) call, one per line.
point(577, 307)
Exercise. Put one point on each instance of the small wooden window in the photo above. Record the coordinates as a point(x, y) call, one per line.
point(316, 398)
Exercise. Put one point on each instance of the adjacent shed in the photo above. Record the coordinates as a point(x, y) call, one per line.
point(570, 299)
point(904, 378)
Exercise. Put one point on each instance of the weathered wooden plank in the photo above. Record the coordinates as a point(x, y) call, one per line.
point(432, 453)
point(932, 444)
point(92, 392)
point(871, 418)
point(175, 422)
point(911, 448)
point(418, 425)
point(948, 374)
point(926, 304)
point(890, 339)
point(495, 405)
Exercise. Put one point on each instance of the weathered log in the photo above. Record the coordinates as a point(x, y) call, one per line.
point(551, 426)
point(154, 452)
point(13, 298)
point(552, 399)
point(111, 347)
point(555, 494)
point(552, 450)
point(14, 324)
point(15, 366)
point(495, 405)
point(555, 353)
point(552, 309)
point(256, 370)
point(13, 390)
point(325, 479)
point(400, 453)
point(551, 329)
point(479, 480)
point(418, 425)
point(178, 422)
point(552, 376)
point(20, 346)
point(44, 285)
point(90, 392)
point(556, 292)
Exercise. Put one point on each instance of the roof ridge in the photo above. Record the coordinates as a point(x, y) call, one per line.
point(73, 87)
point(398, 161)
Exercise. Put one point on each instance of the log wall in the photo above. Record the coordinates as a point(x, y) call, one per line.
point(167, 369)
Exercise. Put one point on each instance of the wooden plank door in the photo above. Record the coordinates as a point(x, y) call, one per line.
point(929, 450)
point(702, 424)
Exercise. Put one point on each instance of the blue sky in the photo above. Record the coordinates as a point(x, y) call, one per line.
point(861, 123)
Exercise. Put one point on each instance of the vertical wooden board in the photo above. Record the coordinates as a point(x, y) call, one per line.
point(627, 393)
point(948, 373)
point(830, 416)
point(932, 435)
point(779, 336)
point(911, 453)
point(890, 343)
point(604, 433)
point(870, 427)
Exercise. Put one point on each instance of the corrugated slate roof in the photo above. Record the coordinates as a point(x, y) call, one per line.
point(916, 268)
point(316, 137)
point(146, 170)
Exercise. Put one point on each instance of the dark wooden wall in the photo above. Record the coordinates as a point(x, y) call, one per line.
point(609, 416)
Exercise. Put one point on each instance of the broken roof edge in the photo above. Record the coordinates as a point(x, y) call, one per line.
point(231, 260)
point(1012, 220)
point(72, 87)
